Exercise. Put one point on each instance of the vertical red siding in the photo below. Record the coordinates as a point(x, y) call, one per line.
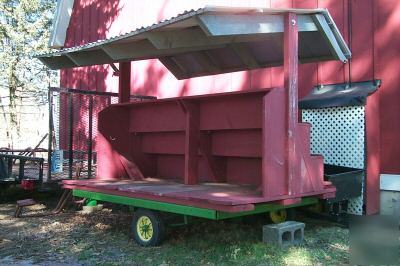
point(387, 43)
point(333, 71)
point(362, 40)
point(308, 73)
point(374, 43)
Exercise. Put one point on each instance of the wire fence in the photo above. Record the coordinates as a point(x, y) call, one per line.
point(73, 118)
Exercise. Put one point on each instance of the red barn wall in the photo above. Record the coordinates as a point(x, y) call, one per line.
point(369, 27)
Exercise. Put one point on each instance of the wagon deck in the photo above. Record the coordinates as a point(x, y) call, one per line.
point(216, 196)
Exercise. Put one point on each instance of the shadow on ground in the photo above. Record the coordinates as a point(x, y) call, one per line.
point(71, 238)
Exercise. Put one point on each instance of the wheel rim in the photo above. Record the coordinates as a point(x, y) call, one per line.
point(144, 228)
point(278, 216)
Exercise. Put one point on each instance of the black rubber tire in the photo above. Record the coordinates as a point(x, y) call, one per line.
point(158, 228)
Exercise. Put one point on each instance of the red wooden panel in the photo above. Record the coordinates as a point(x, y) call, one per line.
point(308, 78)
point(210, 166)
point(372, 178)
point(101, 33)
point(91, 20)
point(115, 129)
point(244, 171)
point(231, 112)
point(387, 43)
point(346, 35)
point(153, 118)
point(205, 173)
point(277, 72)
point(147, 163)
point(108, 164)
point(274, 181)
point(93, 36)
point(311, 168)
point(290, 61)
point(192, 140)
point(77, 22)
point(362, 40)
point(281, 3)
point(332, 71)
point(170, 166)
point(164, 143)
point(308, 73)
point(238, 143)
point(86, 20)
point(124, 85)
point(277, 77)
point(261, 78)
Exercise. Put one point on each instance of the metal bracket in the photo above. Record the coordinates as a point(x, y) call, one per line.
point(115, 69)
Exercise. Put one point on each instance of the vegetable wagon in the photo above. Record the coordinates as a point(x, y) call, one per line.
point(213, 156)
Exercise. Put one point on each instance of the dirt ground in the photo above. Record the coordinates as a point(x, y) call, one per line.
point(73, 238)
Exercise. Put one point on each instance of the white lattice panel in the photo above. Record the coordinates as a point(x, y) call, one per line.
point(338, 133)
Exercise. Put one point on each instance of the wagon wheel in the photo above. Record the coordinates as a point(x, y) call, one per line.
point(147, 228)
point(278, 216)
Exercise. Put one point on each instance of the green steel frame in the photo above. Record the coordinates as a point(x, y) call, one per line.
point(186, 210)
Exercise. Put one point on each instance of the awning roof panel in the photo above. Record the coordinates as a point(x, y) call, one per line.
point(337, 95)
point(213, 40)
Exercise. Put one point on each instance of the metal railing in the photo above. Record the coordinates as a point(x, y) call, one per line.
point(8, 161)
point(73, 128)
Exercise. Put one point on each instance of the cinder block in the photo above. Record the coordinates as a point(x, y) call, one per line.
point(284, 234)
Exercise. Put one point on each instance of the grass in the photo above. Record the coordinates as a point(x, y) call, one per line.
point(103, 238)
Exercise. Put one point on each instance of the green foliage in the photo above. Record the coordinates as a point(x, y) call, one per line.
point(24, 30)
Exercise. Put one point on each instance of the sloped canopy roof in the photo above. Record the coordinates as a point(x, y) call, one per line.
point(213, 40)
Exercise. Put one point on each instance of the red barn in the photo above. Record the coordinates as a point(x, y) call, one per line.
point(369, 27)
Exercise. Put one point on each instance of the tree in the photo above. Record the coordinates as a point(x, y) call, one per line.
point(24, 31)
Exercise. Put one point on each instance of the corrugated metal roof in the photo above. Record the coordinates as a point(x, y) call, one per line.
point(213, 40)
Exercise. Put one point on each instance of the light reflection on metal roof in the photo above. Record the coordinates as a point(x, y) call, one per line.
point(213, 40)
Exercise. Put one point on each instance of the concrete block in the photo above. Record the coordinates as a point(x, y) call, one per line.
point(289, 233)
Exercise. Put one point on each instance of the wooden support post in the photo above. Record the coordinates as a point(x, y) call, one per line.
point(192, 139)
point(274, 177)
point(9, 167)
point(372, 177)
point(71, 134)
point(21, 173)
point(290, 66)
point(124, 85)
point(90, 136)
point(51, 126)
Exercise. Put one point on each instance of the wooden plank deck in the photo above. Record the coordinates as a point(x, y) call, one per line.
point(218, 196)
point(214, 193)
